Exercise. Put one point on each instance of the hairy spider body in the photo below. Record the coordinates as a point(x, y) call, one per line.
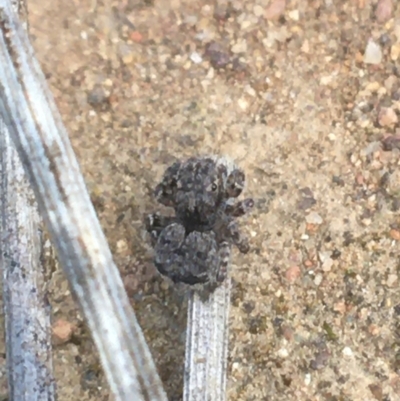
point(194, 246)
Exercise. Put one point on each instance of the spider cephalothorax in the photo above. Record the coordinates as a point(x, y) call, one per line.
point(194, 246)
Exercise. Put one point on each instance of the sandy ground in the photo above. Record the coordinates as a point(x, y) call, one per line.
point(287, 90)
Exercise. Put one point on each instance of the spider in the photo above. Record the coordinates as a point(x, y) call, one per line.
point(194, 246)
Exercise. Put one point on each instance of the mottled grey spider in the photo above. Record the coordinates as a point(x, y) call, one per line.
point(194, 246)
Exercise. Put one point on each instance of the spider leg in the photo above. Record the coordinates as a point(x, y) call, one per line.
point(167, 259)
point(155, 223)
point(240, 208)
point(224, 259)
point(235, 183)
point(165, 191)
point(236, 237)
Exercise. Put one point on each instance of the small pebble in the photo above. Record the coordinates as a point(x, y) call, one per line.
point(384, 10)
point(394, 234)
point(287, 333)
point(391, 280)
point(196, 58)
point(243, 104)
point(390, 82)
point(275, 9)
point(122, 246)
point(326, 80)
point(391, 142)
point(136, 36)
point(314, 218)
point(376, 390)
point(397, 31)
point(340, 307)
point(258, 10)
point(97, 97)
point(292, 274)
point(245, 24)
point(164, 285)
point(374, 329)
point(373, 53)
point(387, 117)
point(327, 265)
point(235, 366)
point(219, 57)
point(283, 353)
point(294, 15)
point(131, 284)
point(62, 332)
point(395, 51)
point(347, 352)
point(221, 13)
point(320, 361)
point(308, 263)
point(305, 47)
point(372, 87)
point(250, 91)
point(318, 279)
point(126, 53)
point(239, 47)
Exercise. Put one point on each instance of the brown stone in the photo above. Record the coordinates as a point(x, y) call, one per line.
point(62, 331)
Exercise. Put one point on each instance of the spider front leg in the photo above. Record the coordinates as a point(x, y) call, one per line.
point(236, 237)
point(235, 183)
point(241, 208)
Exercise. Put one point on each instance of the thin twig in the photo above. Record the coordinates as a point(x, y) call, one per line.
point(27, 313)
point(207, 345)
point(35, 127)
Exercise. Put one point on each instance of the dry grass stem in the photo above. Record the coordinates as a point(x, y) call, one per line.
point(27, 313)
point(207, 345)
point(35, 126)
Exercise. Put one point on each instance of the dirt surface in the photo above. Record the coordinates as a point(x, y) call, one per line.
point(305, 96)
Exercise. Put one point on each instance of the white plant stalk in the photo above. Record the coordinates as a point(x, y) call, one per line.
point(26, 309)
point(207, 345)
point(34, 124)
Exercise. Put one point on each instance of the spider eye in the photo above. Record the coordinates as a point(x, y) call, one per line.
point(214, 187)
